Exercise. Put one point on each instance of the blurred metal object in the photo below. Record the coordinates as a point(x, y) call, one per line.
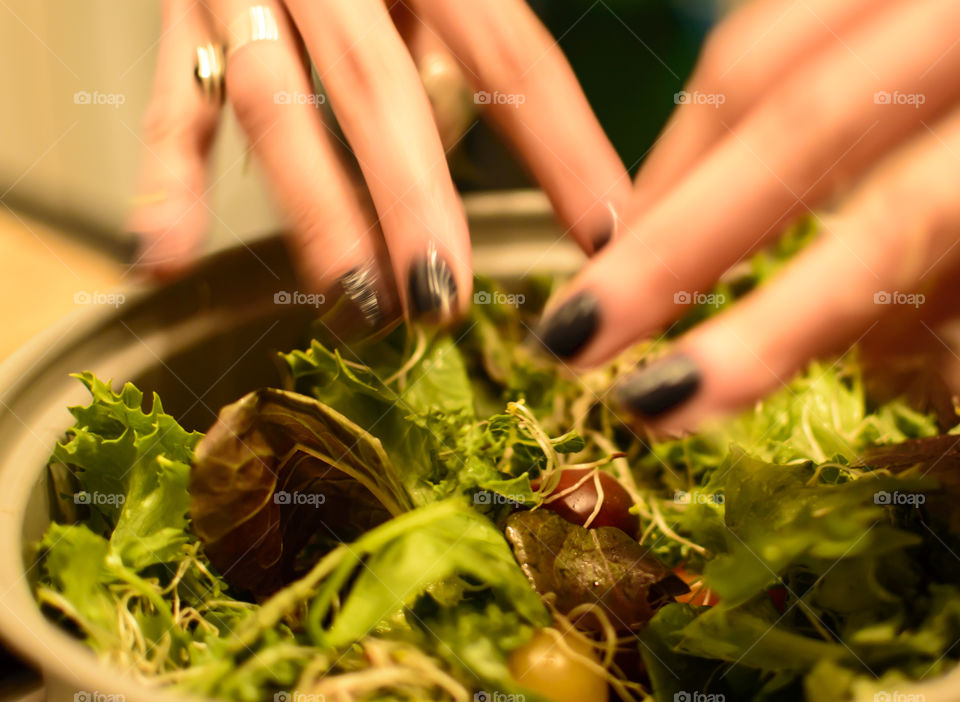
point(258, 23)
point(209, 71)
point(450, 95)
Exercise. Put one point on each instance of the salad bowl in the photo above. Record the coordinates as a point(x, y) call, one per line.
point(201, 343)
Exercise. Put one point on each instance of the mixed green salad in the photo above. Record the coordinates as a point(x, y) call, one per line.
point(453, 516)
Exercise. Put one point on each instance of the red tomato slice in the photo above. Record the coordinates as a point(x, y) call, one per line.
point(699, 594)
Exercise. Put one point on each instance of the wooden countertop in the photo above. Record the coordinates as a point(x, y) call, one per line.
point(44, 275)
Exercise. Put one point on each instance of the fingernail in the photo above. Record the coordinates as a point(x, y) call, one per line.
point(602, 239)
point(661, 386)
point(571, 325)
point(432, 287)
point(359, 287)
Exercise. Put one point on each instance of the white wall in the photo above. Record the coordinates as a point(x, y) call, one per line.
point(82, 159)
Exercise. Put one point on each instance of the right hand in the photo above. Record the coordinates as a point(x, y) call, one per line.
point(847, 108)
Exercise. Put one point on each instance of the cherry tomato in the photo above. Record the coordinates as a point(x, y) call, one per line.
point(778, 595)
point(578, 505)
point(699, 594)
point(544, 666)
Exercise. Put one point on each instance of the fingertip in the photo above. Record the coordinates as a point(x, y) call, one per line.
point(568, 328)
point(661, 386)
point(713, 372)
point(595, 321)
point(433, 293)
point(360, 304)
point(670, 396)
point(169, 218)
point(601, 239)
point(157, 265)
point(602, 224)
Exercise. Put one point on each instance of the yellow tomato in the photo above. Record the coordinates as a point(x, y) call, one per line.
point(544, 666)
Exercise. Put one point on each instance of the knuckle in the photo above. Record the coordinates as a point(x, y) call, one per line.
point(513, 57)
point(718, 54)
point(327, 255)
point(368, 57)
point(321, 221)
point(162, 124)
point(716, 78)
point(504, 45)
point(522, 57)
point(158, 125)
point(730, 63)
point(368, 72)
point(311, 217)
point(805, 107)
point(248, 87)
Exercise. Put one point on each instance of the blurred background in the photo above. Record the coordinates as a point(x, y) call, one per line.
point(75, 80)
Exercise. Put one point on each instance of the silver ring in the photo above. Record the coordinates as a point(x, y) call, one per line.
point(209, 71)
point(258, 23)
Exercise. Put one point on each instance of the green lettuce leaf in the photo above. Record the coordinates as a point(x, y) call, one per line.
point(475, 637)
point(133, 468)
point(74, 564)
point(397, 561)
point(396, 412)
point(775, 519)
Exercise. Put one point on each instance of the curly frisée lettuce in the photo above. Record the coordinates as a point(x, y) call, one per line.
point(377, 530)
point(146, 595)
